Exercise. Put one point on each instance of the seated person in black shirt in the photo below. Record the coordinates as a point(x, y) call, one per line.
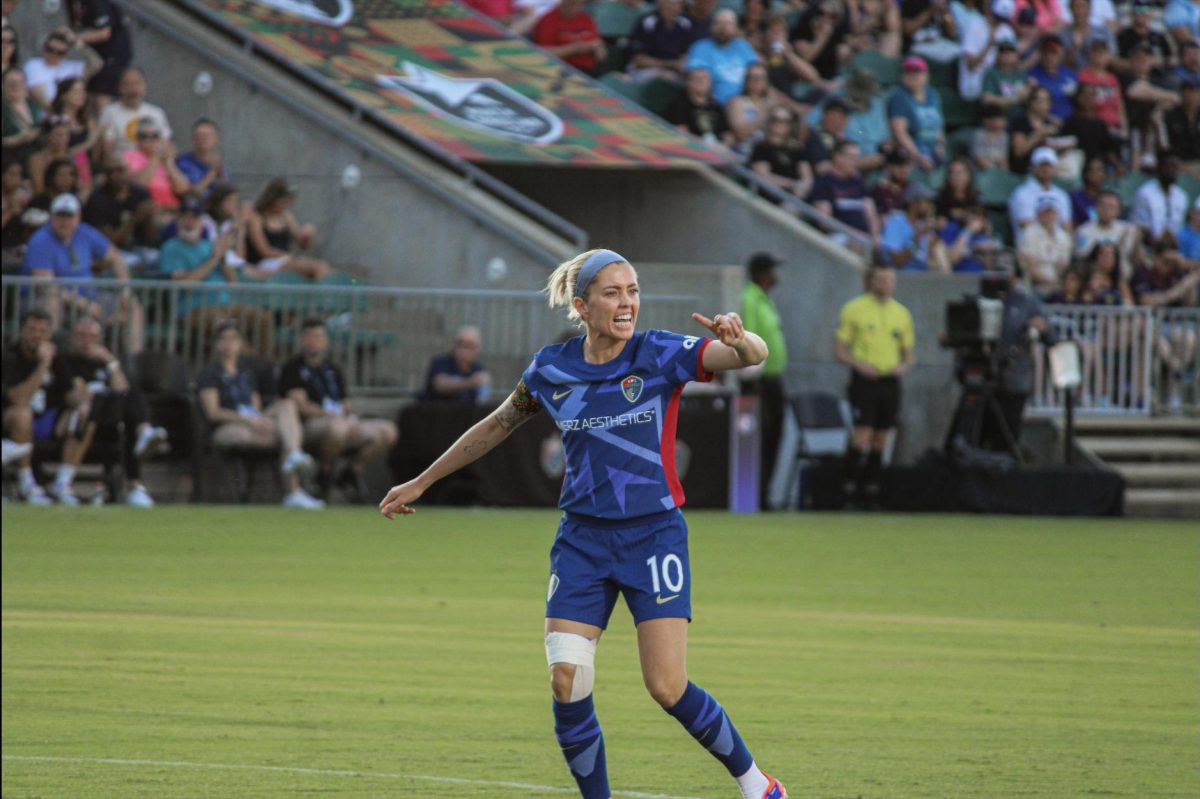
point(458, 376)
point(232, 406)
point(100, 400)
point(1091, 135)
point(1182, 124)
point(841, 193)
point(779, 158)
point(659, 42)
point(1140, 35)
point(28, 383)
point(121, 209)
point(331, 428)
point(819, 34)
point(695, 111)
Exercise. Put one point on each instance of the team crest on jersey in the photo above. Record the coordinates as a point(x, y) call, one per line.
point(631, 387)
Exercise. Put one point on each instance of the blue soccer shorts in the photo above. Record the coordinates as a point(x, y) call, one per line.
point(592, 561)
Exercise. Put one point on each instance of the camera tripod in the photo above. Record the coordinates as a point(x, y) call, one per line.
point(978, 411)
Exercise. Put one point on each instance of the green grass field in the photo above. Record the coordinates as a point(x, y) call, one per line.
point(220, 652)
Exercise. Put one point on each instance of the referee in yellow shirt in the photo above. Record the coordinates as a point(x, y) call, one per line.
point(875, 339)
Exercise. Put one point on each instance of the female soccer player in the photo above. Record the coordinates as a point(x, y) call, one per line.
point(614, 394)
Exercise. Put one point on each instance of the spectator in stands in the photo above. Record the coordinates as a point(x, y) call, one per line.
point(784, 64)
point(61, 177)
point(659, 42)
point(747, 112)
point(45, 73)
point(1109, 228)
point(272, 234)
point(1071, 292)
point(459, 376)
point(233, 408)
point(105, 403)
point(9, 55)
point(888, 193)
point(778, 156)
point(570, 33)
point(761, 316)
point(189, 257)
point(1166, 283)
point(1110, 109)
point(124, 213)
point(876, 340)
point(1147, 97)
point(1083, 32)
point(701, 13)
point(819, 36)
point(965, 245)
point(57, 149)
point(520, 19)
point(1083, 199)
point(22, 119)
point(693, 110)
point(28, 379)
point(228, 214)
point(908, 234)
point(152, 166)
point(1045, 248)
point(67, 248)
point(1057, 79)
point(981, 37)
point(725, 55)
point(1189, 236)
point(1037, 129)
point(753, 21)
point(1005, 84)
point(841, 193)
point(838, 119)
point(989, 144)
point(72, 102)
point(1139, 35)
point(119, 121)
point(1029, 38)
point(14, 199)
point(958, 192)
point(877, 28)
point(331, 428)
point(203, 166)
point(915, 114)
point(1092, 137)
point(1051, 15)
point(1023, 205)
point(1181, 19)
point(1160, 204)
point(100, 24)
point(930, 30)
point(1104, 259)
point(1188, 68)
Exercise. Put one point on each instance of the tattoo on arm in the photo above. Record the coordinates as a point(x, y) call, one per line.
point(520, 406)
point(475, 448)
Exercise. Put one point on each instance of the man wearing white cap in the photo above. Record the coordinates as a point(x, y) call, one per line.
point(1022, 206)
point(1045, 250)
point(65, 248)
point(981, 36)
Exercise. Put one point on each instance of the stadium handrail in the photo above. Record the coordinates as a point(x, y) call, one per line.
point(472, 175)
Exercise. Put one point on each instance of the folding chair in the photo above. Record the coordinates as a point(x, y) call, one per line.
point(824, 432)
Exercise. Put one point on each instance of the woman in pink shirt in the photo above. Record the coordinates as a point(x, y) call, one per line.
point(151, 165)
point(1050, 17)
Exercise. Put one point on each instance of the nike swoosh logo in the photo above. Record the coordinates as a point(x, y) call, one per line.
point(662, 600)
point(557, 395)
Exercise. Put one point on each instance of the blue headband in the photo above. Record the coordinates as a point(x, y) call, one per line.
point(592, 266)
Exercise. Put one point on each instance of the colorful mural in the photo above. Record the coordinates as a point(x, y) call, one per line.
point(459, 80)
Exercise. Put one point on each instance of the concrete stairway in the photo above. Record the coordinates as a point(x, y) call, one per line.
point(1159, 458)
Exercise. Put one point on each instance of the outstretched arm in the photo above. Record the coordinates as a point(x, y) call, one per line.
point(483, 437)
point(735, 347)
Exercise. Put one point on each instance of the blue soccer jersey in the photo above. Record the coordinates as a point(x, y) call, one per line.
point(618, 420)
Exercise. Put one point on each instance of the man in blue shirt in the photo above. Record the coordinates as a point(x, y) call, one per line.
point(1181, 18)
point(203, 166)
point(458, 376)
point(66, 248)
point(841, 193)
point(659, 42)
point(725, 55)
point(907, 233)
point(1060, 81)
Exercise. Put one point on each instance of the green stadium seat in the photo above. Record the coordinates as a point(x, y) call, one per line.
point(614, 20)
point(934, 178)
point(957, 112)
point(1127, 185)
point(958, 143)
point(614, 61)
point(943, 75)
point(1001, 226)
point(885, 70)
point(1190, 185)
point(996, 186)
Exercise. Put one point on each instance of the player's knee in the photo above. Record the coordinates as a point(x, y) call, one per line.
point(665, 689)
point(572, 660)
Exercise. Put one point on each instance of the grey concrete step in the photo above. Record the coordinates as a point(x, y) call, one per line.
point(1118, 448)
point(1160, 474)
point(1139, 425)
point(1163, 502)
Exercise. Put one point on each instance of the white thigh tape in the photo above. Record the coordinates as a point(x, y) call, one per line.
point(570, 648)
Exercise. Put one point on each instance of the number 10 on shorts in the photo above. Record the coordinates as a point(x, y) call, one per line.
point(672, 573)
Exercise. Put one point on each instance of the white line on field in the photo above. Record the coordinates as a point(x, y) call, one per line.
point(112, 761)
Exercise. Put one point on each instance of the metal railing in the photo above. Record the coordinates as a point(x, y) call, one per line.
point(1134, 361)
point(382, 337)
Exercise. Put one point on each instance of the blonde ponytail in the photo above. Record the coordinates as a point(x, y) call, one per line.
point(560, 288)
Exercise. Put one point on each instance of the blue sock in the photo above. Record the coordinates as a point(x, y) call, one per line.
point(578, 733)
point(709, 724)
